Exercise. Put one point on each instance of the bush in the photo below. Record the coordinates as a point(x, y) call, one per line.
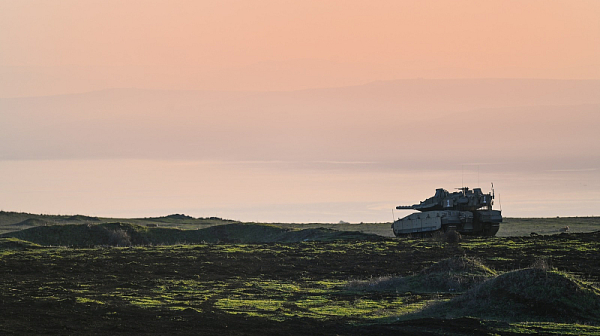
point(450, 237)
point(453, 237)
point(118, 237)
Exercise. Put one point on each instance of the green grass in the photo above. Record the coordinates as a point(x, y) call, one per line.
point(292, 286)
point(11, 243)
point(511, 227)
point(552, 328)
point(15, 221)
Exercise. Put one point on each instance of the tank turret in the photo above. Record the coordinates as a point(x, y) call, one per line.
point(466, 211)
point(464, 200)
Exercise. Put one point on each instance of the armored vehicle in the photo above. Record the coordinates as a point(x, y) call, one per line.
point(466, 211)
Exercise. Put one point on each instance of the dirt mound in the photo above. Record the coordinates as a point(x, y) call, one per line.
point(459, 264)
point(82, 218)
point(33, 222)
point(83, 235)
point(125, 234)
point(266, 233)
point(454, 274)
point(242, 233)
point(16, 244)
point(526, 295)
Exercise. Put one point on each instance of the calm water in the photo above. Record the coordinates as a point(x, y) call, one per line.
point(280, 191)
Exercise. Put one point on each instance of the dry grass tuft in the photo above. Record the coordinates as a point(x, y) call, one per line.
point(450, 275)
point(532, 294)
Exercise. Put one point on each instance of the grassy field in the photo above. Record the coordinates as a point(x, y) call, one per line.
point(14, 221)
point(512, 227)
point(226, 280)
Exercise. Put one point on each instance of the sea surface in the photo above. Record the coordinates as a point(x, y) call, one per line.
point(275, 191)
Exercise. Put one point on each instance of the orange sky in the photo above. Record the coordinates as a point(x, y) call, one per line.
point(394, 90)
point(175, 44)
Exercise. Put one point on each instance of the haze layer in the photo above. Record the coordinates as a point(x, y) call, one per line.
point(297, 111)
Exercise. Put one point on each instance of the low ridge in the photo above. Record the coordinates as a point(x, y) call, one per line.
point(125, 234)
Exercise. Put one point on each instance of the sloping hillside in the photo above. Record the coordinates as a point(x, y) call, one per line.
point(125, 234)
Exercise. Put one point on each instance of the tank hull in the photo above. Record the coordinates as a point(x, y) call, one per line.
point(475, 223)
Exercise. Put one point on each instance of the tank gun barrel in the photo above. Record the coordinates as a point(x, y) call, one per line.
point(405, 207)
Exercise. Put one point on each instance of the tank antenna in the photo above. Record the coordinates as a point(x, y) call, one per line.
point(500, 201)
point(393, 216)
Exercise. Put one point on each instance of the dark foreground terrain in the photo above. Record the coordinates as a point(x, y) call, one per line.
point(319, 284)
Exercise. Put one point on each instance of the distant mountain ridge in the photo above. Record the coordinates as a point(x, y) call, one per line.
point(357, 123)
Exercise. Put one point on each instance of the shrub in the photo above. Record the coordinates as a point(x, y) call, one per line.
point(118, 237)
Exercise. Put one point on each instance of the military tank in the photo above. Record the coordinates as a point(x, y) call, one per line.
point(466, 211)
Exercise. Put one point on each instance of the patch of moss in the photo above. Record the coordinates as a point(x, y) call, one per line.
point(17, 244)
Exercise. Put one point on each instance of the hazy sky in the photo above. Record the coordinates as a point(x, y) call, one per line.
point(559, 35)
point(297, 110)
point(273, 44)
